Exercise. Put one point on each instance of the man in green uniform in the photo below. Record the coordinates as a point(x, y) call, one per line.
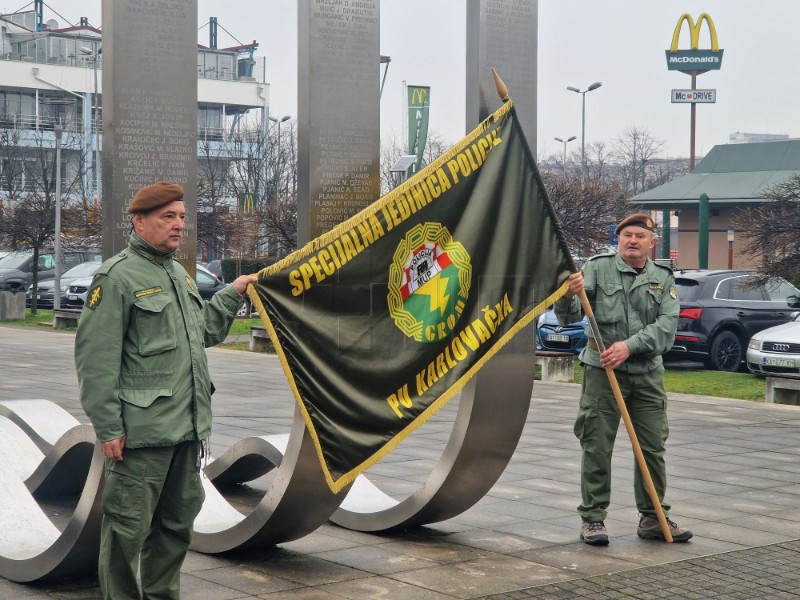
point(145, 385)
point(636, 309)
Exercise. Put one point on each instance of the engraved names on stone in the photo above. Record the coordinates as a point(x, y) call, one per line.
point(150, 110)
point(339, 115)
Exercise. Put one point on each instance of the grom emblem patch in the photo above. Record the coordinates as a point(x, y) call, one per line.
point(429, 282)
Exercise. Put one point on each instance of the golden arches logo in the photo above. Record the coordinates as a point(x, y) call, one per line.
point(694, 32)
point(419, 96)
point(247, 202)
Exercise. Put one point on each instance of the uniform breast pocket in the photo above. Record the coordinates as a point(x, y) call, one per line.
point(154, 327)
point(610, 303)
point(654, 296)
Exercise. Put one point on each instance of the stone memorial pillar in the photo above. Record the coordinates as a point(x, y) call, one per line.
point(502, 34)
point(338, 112)
point(149, 111)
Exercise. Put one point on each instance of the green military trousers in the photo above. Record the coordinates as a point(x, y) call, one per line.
point(150, 500)
point(596, 428)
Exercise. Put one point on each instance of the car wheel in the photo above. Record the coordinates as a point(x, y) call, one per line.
point(244, 309)
point(726, 352)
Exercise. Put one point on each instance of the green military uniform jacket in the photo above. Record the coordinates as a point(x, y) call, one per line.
point(640, 309)
point(140, 349)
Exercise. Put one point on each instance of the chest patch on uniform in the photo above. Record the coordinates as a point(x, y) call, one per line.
point(148, 292)
point(190, 283)
point(655, 286)
point(93, 297)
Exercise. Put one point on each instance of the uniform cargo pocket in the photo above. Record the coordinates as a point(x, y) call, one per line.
point(153, 326)
point(143, 397)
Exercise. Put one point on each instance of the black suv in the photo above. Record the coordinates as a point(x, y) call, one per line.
point(721, 310)
point(16, 269)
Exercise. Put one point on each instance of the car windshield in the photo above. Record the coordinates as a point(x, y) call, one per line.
point(14, 260)
point(83, 269)
point(687, 289)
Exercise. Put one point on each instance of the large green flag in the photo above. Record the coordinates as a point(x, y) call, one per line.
point(381, 321)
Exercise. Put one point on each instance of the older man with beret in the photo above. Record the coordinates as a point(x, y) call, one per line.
point(145, 385)
point(636, 308)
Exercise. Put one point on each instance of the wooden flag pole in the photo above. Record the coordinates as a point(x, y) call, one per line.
point(502, 91)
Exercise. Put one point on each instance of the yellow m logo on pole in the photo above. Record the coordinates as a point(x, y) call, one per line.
point(694, 31)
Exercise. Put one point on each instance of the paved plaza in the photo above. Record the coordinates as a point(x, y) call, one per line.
point(734, 480)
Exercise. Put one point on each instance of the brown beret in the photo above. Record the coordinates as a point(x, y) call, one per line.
point(154, 196)
point(639, 220)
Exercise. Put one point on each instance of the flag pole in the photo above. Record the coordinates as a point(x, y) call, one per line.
point(502, 91)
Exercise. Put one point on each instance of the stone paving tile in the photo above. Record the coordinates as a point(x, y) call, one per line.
point(375, 559)
point(382, 587)
point(768, 572)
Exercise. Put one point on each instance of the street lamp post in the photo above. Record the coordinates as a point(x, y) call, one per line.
point(58, 130)
point(57, 274)
point(592, 87)
point(94, 56)
point(279, 121)
point(565, 142)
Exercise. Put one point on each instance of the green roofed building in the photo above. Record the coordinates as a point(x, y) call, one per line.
point(732, 176)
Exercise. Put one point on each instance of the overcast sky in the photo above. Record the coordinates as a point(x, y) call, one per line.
point(620, 43)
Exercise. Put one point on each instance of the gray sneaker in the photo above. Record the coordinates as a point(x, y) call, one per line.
point(650, 529)
point(594, 533)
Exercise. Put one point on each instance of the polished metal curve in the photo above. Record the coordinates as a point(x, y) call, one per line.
point(298, 501)
point(491, 414)
point(44, 453)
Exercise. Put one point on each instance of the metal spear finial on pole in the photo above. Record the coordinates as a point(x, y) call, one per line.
point(502, 91)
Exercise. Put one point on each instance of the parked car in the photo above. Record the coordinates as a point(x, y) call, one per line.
point(208, 284)
point(16, 269)
point(552, 337)
point(776, 350)
point(44, 289)
point(721, 310)
point(215, 266)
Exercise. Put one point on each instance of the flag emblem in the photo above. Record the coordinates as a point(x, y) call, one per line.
point(429, 281)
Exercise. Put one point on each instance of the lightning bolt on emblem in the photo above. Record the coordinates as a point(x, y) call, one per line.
point(94, 297)
point(436, 290)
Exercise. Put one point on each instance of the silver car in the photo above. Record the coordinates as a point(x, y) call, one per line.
point(776, 351)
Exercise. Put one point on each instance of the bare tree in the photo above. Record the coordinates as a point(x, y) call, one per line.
point(586, 213)
point(633, 151)
point(249, 192)
point(771, 230)
point(30, 173)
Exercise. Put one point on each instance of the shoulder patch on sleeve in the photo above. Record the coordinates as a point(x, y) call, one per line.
point(94, 296)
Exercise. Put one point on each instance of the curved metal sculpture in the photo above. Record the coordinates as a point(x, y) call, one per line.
point(44, 452)
point(491, 415)
point(59, 458)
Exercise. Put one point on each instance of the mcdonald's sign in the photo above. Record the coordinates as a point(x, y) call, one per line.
point(418, 96)
point(247, 203)
point(694, 60)
point(419, 99)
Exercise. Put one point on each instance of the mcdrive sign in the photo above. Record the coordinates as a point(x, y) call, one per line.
point(695, 60)
point(704, 96)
